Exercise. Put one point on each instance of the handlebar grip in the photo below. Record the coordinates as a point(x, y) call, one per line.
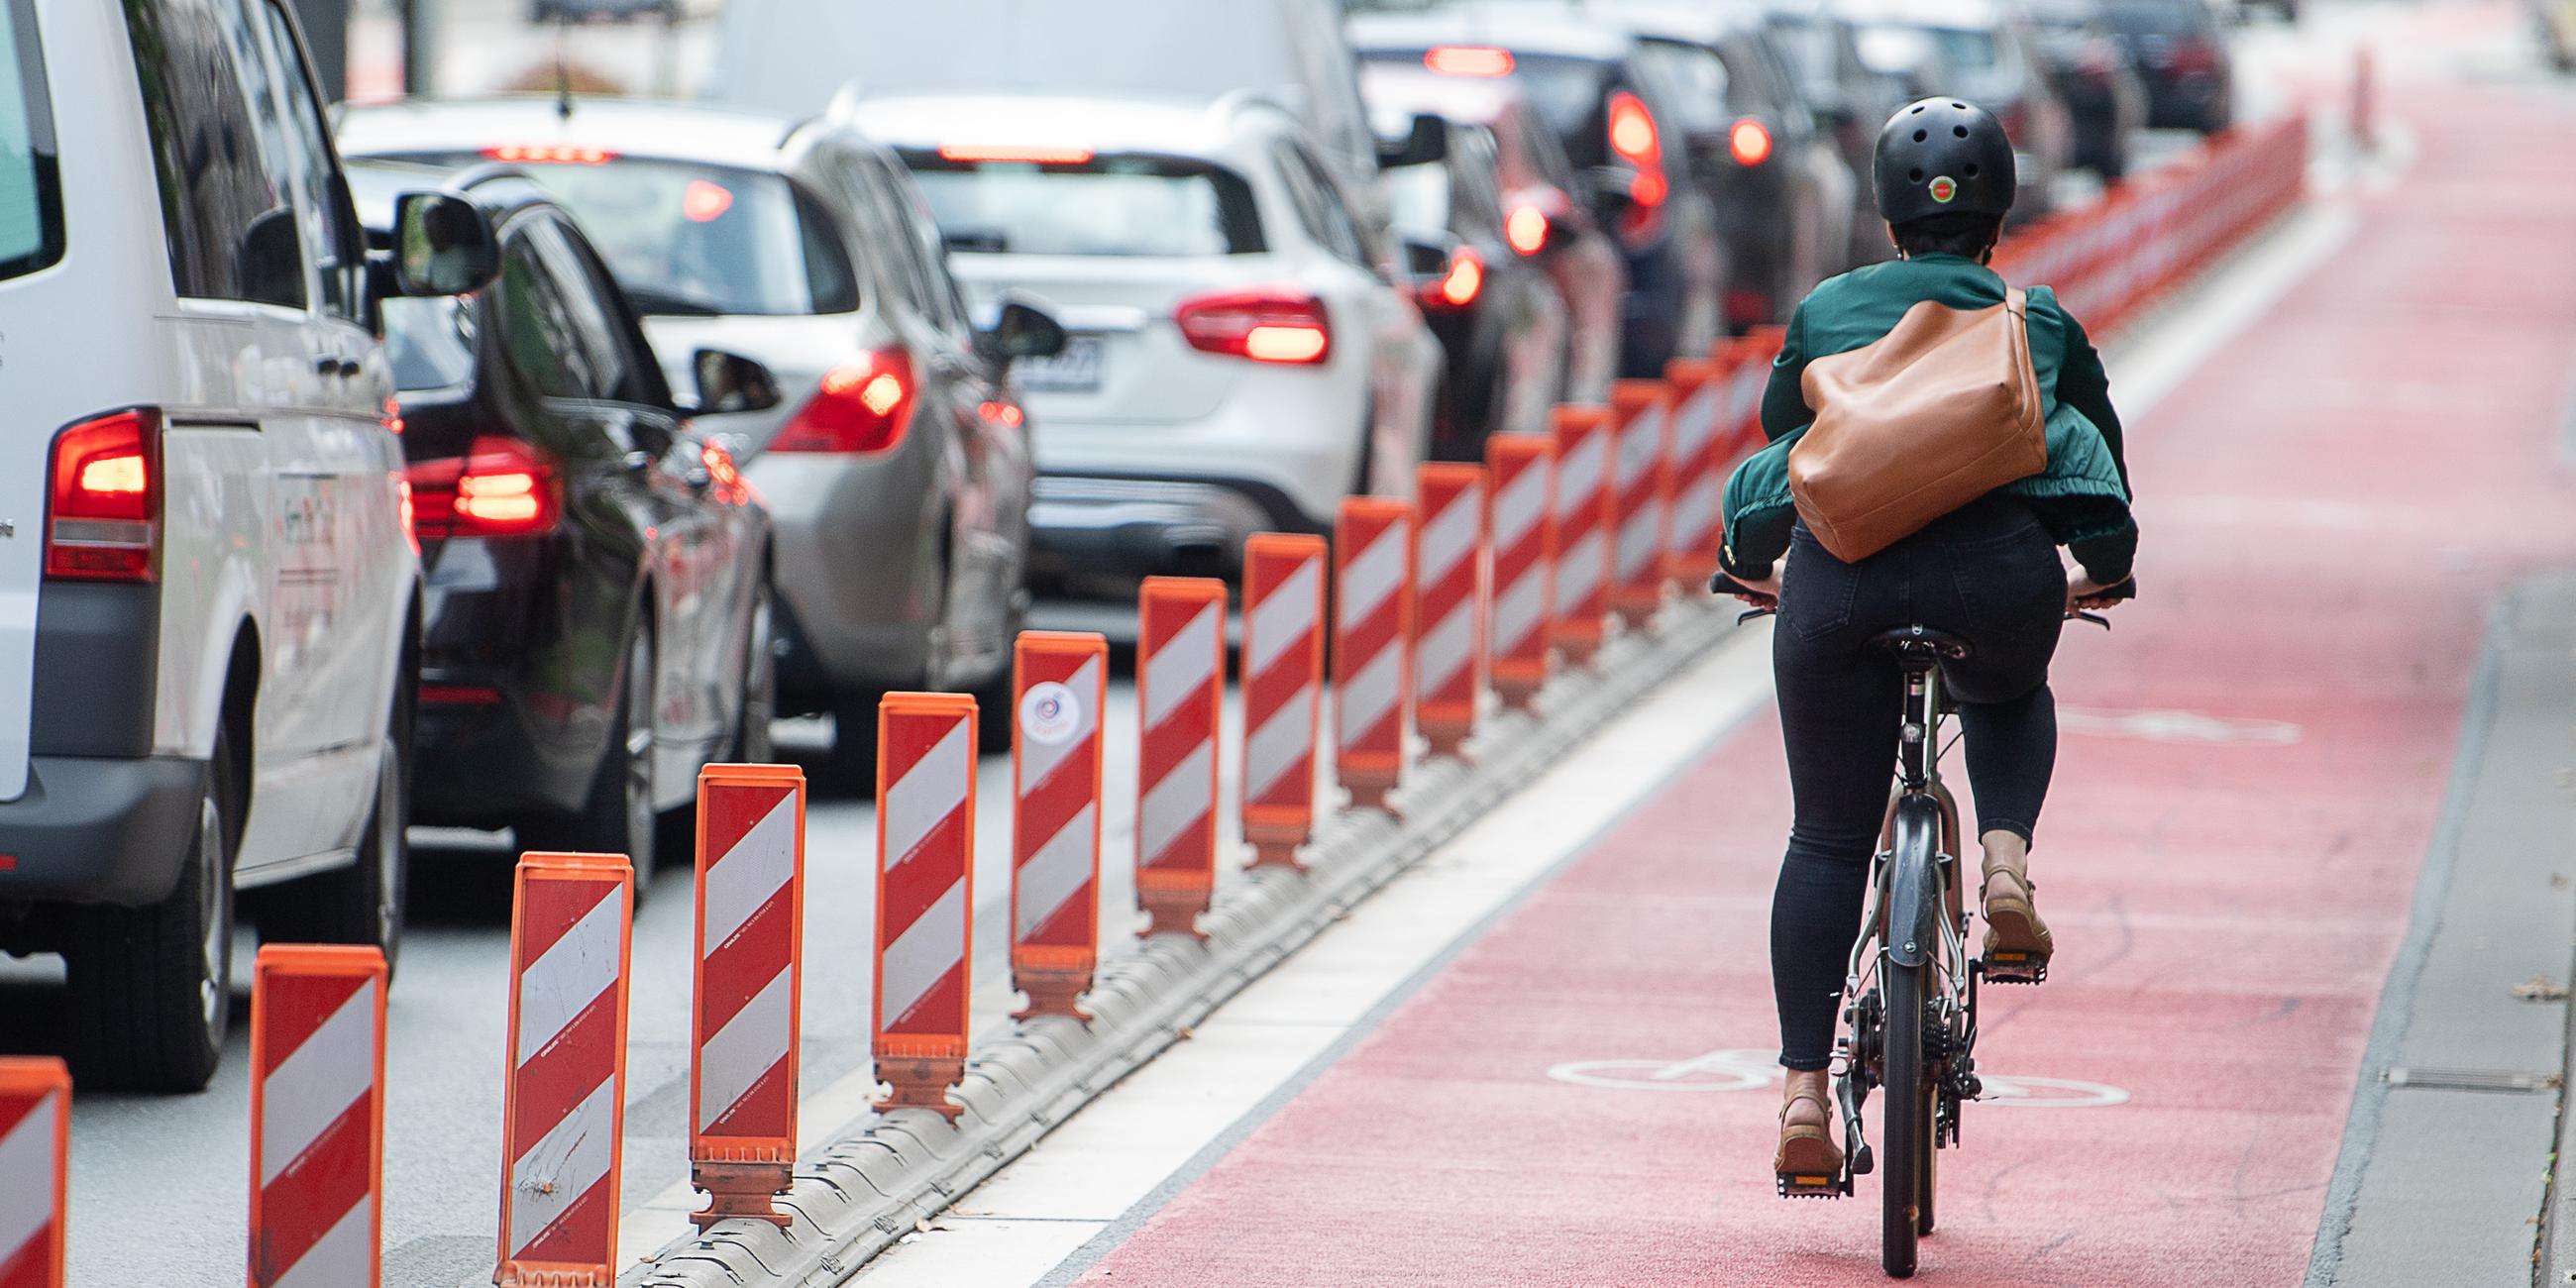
point(2126, 589)
point(1721, 584)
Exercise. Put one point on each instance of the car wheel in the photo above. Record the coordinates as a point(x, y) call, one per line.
point(619, 816)
point(152, 987)
point(363, 902)
point(751, 738)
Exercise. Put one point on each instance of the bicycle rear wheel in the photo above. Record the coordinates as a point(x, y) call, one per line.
point(1906, 1125)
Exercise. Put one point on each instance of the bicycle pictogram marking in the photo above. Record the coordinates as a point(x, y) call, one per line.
point(1752, 1069)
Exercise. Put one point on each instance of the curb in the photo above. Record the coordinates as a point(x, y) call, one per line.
point(855, 1197)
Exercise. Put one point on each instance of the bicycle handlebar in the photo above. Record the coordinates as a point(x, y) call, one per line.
point(1721, 584)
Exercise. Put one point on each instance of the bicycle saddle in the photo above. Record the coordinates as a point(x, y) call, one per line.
point(1920, 648)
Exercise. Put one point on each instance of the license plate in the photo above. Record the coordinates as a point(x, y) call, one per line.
point(1076, 370)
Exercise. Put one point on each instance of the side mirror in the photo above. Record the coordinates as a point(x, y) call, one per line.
point(730, 382)
point(1426, 141)
point(442, 245)
point(1022, 330)
point(1426, 259)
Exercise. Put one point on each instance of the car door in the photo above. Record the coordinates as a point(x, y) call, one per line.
point(1402, 355)
point(992, 466)
point(621, 396)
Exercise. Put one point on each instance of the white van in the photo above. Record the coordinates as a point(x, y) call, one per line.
point(795, 55)
point(207, 590)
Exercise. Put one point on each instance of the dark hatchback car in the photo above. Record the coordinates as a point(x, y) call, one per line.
point(596, 621)
point(1501, 326)
point(2191, 79)
point(2093, 72)
point(1616, 119)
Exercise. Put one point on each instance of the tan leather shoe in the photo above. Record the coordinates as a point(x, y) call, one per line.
point(2018, 944)
point(1807, 1161)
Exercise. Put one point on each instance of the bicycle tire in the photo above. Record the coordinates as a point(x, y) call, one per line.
point(1905, 1123)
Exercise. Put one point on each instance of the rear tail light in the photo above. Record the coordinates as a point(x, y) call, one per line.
point(1285, 326)
point(1526, 229)
point(864, 405)
point(971, 153)
point(1637, 140)
point(501, 487)
point(1749, 142)
point(1468, 60)
point(2194, 55)
point(1460, 286)
point(103, 514)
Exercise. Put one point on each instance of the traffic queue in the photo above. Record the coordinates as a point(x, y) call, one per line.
point(501, 463)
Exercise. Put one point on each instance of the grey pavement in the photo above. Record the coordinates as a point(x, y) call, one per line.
point(2451, 1172)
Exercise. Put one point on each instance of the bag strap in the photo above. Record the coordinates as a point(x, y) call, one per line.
point(2018, 300)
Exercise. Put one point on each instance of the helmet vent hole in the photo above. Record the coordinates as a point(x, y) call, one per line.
point(1918, 110)
point(1920, 135)
point(1914, 176)
point(1972, 169)
point(1959, 106)
point(1959, 130)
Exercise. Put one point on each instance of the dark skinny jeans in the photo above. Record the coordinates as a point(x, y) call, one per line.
point(1987, 573)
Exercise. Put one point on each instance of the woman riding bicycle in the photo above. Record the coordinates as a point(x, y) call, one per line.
point(1988, 572)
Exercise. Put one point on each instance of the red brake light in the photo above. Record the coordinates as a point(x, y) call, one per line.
point(864, 405)
point(1460, 286)
point(2194, 55)
point(501, 487)
point(104, 510)
point(1750, 142)
point(1468, 60)
point(967, 153)
point(1526, 229)
point(550, 154)
point(703, 202)
point(1632, 131)
point(1280, 325)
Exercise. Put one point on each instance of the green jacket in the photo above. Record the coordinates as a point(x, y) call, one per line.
point(2082, 499)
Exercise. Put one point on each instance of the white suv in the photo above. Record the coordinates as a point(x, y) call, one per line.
point(1235, 364)
point(207, 592)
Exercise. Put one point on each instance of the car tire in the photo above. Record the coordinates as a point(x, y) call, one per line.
point(363, 902)
point(151, 987)
point(619, 815)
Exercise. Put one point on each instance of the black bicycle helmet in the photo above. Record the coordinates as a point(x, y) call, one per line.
point(1942, 156)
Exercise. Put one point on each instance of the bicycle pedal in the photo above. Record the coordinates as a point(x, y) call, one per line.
point(1811, 1187)
point(2014, 968)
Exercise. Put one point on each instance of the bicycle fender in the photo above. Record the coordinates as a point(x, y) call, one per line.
point(1913, 912)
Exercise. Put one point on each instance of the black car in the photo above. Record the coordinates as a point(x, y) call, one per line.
point(2093, 72)
point(1502, 328)
point(2191, 80)
point(1851, 101)
point(1619, 123)
point(596, 621)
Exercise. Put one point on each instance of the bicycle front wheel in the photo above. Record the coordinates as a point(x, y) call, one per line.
point(1905, 1129)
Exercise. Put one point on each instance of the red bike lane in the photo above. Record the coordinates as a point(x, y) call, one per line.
point(2251, 771)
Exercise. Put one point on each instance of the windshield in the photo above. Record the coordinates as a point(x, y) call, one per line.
point(699, 239)
point(31, 216)
point(430, 341)
point(1106, 205)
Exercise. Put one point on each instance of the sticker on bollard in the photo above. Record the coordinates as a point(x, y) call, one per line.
point(564, 1115)
point(1582, 548)
point(1694, 482)
point(1372, 646)
point(1641, 421)
point(1180, 695)
point(317, 1116)
point(750, 981)
point(925, 895)
point(35, 1147)
point(1523, 474)
point(1059, 683)
point(1283, 684)
point(1449, 603)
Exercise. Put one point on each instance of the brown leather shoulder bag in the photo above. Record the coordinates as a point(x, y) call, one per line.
point(1933, 415)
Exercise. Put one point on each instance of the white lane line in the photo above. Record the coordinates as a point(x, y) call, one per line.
point(1014, 1230)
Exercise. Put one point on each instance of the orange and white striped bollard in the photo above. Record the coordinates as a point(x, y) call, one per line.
point(1521, 470)
point(564, 1115)
point(1582, 548)
point(1372, 643)
point(1059, 682)
point(925, 896)
point(748, 988)
point(1693, 487)
point(317, 1115)
point(35, 1151)
point(1449, 603)
point(1180, 691)
point(1283, 683)
point(1640, 427)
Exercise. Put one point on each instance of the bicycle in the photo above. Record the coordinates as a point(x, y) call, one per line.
point(1910, 994)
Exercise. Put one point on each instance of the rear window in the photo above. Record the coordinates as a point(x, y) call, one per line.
point(1122, 205)
point(1566, 91)
point(699, 240)
point(1965, 49)
point(31, 211)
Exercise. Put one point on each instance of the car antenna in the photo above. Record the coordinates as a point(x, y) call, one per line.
point(563, 67)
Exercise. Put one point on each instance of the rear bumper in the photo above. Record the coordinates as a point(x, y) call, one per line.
point(100, 830)
point(488, 765)
point(1086, 525)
